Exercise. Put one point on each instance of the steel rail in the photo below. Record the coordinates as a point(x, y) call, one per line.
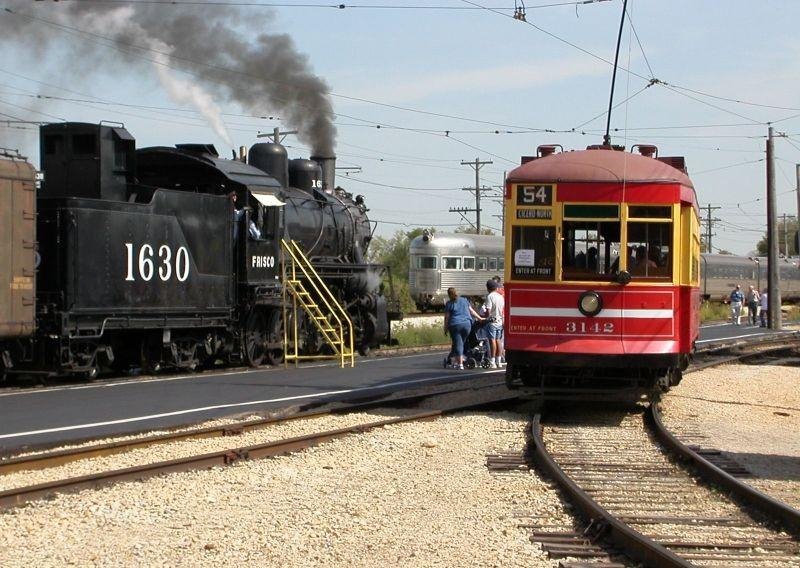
point(54, 458)
point(60, 457)
point(788, 517)
point(21, 495)
point(633, 543)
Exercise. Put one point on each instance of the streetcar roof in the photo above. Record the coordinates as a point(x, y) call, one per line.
point(599, 165)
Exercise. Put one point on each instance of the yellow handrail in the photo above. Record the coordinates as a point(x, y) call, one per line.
point(335, 309)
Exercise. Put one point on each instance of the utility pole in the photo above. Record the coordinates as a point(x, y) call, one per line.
point(461, 211)
point(476, 165)
point(277, 135)
point(797, 234)
point(773, 276)
point(709, 224)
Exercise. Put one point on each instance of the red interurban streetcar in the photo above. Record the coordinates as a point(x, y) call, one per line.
point(602, 273)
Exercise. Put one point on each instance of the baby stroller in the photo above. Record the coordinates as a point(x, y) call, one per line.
point(476, 348)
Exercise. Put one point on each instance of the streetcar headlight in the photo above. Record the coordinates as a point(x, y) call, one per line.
point(590, 303)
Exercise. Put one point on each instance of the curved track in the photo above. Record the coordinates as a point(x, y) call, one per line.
point(469, 398)
point(642, 503)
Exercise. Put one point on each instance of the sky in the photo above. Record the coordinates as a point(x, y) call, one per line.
point(417, 87)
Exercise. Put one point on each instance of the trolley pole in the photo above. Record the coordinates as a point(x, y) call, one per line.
point(477, 165)
point(773, 276)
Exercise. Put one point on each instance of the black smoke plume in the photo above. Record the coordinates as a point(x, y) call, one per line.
point(225, 51)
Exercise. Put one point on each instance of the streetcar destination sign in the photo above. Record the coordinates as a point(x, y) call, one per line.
point(538, 213)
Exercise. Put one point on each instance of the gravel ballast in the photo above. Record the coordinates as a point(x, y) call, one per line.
point(414, 494)
point(751, 413)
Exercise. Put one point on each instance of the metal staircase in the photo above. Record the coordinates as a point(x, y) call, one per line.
point(309, 293)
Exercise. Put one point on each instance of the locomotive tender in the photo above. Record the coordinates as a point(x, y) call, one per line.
point(171, 256)
point(602, 273)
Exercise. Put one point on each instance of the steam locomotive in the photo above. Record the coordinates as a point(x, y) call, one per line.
point(170, 256)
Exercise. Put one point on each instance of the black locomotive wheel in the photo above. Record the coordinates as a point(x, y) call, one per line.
point(275, 355)
point(150, 356)
point(255, 339)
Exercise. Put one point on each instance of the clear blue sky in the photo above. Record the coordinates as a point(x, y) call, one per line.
point(496, 73)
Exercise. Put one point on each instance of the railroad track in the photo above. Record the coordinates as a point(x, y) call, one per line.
point(468, 398)
point(625, 473)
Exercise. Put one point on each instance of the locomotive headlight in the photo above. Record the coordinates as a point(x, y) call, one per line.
point(590, 303)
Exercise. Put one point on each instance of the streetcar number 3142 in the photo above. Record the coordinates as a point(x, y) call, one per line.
point(149, 262)
point(584, 327)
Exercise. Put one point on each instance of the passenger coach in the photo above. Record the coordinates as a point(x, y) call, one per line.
point(602, 272)
point(461, 260)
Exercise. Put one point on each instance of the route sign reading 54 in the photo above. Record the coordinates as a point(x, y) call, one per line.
point(539, 194)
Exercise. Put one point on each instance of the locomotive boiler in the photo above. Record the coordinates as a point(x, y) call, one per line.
point(170, 256)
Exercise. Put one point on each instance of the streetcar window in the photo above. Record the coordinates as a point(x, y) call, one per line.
point(590, 250)
point(469, 263)
point(426, 262)
point(482, 263)
point(649, 212)
point(492, 265)
point(649, 250)
point(533, 253)
point(451, 263)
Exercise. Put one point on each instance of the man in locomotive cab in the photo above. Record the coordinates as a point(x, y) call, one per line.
point(237, 215)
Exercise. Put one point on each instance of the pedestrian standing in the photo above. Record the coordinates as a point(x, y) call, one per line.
point(752, 305)
point(458, 316)
point(502, 348)
point(493, 308)
point(764, 301)
point(737, 299)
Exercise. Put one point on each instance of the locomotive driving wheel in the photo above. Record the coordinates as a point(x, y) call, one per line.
point(275, 338)
point(255, 339)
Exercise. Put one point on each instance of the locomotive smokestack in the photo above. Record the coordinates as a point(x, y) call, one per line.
point(328, 165)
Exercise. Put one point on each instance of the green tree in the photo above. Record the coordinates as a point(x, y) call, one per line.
point(472, 231)
point(790, 230)
point(393, 252)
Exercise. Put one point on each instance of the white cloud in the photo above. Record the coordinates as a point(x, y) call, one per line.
point(510, 77)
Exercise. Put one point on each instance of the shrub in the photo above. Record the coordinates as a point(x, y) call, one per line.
point(411, 336)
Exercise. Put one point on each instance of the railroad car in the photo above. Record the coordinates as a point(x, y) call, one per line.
point(17, 256)
point(719, 273)
point(602, 280)
point(441, 260)
point(170, 256)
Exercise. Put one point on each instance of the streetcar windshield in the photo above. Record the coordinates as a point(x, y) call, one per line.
point(649, 250)
point(590, 250)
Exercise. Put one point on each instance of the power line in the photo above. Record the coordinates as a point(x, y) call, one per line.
point(254, 4)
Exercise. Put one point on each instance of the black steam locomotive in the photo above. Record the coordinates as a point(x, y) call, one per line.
point(170, 257)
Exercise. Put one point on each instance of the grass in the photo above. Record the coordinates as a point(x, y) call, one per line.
point(714, 311)
point(413, 336)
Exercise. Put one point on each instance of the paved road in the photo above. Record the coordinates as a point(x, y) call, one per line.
point(40, 416)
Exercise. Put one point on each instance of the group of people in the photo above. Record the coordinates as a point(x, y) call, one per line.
point(459, 316)
point(756, 303)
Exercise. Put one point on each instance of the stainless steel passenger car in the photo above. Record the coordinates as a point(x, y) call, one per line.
point(719, 273)
point(441, 260)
